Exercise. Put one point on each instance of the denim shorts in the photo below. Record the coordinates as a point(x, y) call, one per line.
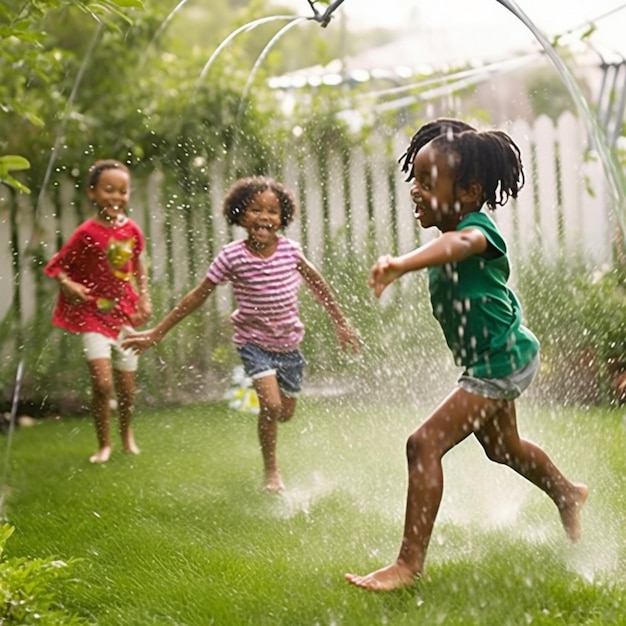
point(288, 367)
point(506, 388)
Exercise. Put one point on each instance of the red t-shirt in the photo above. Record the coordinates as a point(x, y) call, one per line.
point(103, 258)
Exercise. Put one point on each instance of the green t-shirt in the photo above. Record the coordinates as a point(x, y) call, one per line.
point(480, 316)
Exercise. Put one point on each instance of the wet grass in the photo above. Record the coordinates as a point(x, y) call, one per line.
point(182, 535)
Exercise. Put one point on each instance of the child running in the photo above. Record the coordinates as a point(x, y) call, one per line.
point(104, 290)
point(457, 170)
point(266, 270)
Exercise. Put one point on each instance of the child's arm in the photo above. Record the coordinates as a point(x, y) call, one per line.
point(321, 290)
point(144, 305)
point(75, 292)
point(190, 302)
point(450, 247)
point(62, 262)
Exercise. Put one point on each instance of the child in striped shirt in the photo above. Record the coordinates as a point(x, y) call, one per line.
point(265, 270)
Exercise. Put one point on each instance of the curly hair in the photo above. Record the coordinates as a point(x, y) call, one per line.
point(242, 192)
point(95, 171)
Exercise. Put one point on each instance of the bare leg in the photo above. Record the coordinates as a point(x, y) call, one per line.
point(125, 387)
point(101, 390)
point(274, 408)
point(500, 439)
point(451, 422)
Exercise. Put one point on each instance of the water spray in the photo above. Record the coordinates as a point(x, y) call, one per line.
point(70, 102)
point(242, 29)
point(294, 22)
point(612, 168)
point(12, 421)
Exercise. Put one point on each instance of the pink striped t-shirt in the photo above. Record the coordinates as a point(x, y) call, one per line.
point(266, 291)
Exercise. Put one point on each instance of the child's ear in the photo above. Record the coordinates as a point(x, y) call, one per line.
point(473, 192)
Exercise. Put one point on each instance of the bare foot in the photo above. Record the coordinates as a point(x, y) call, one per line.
point(102, 456)
point(131, 447)
point(274, 483)
point(570, 511)
point(128, 442)
point(394, 576)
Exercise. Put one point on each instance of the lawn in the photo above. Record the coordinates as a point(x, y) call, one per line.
point(183, 535)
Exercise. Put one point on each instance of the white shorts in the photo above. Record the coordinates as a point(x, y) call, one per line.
point(98, 346)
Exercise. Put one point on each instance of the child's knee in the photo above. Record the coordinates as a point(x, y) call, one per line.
point(497, 454)
point(272, 411)
point(416, 445)
point(102, 387)
point(286, 414)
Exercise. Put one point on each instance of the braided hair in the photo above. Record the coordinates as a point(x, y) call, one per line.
point(442, 126)
point(490, 158)
point(241, 194)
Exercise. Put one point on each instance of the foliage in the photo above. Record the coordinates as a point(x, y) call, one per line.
point(580, 318)
point(87, 88)
point(33, 67)
point(602, 295)
point(86, 79)
point(13, 163)
point(547, 96)
point(29, 588)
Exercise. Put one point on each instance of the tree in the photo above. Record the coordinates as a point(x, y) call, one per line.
point(32, 70)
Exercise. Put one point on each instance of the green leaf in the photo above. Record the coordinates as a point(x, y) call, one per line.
point(13, 182)
point(133, 4)
point(12, 163)
point(34, 120)
point(592, 29)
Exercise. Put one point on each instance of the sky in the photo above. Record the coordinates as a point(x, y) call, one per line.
point(480, 20)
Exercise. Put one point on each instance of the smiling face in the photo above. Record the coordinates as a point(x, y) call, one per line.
point(262, 220)
point(111, 193)
point(437, 202)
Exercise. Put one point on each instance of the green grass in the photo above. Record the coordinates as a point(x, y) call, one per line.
point(182, 534)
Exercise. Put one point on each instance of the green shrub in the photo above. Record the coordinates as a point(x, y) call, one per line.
point(580, 319)
point(29, 592)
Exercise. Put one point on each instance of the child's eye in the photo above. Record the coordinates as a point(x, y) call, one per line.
point(122, 192)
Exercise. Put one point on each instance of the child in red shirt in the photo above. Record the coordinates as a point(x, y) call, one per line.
point(104, 289)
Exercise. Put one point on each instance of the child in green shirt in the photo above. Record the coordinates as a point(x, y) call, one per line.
point(457, 170)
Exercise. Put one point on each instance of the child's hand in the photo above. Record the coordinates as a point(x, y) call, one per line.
point(348, 337)
point(139, 341)
point(76, 292)
point(383, 273)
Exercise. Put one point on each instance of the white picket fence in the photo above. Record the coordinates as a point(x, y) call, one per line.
point(564, 208)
